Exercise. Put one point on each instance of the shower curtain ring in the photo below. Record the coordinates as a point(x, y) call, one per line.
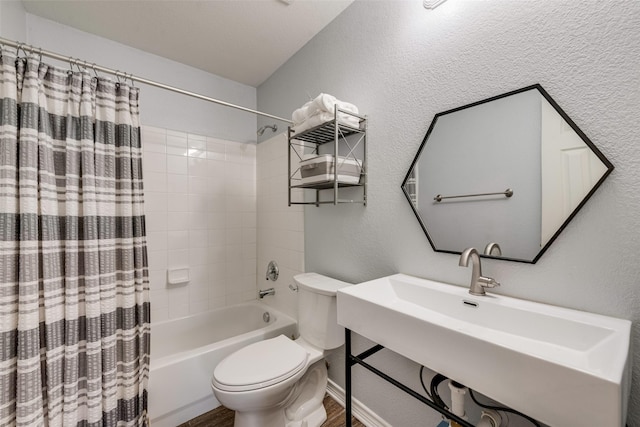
point(93, 67)
point(40, 59)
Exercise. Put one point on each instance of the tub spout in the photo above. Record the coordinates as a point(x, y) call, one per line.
point(264, 292)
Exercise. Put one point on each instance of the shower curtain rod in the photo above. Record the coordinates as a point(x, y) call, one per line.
point(119, 74)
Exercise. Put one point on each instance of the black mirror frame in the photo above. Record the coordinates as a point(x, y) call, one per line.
point(571, 123)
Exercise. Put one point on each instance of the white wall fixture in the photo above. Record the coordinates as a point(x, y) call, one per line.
point(178, 276)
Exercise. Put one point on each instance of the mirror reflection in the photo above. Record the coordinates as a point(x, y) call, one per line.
point(503, 175)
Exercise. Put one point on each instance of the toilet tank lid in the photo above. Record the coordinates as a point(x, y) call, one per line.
point(319, 284)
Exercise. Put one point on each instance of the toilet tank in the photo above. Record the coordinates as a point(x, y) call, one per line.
point(317, 310)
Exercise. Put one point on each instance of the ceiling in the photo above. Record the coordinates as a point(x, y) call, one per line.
point(242, 40)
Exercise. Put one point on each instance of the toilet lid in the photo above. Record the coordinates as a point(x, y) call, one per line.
point(260, 365)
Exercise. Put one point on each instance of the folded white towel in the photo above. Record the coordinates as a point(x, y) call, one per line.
point(326, 102)
point(301, 114)
point(323, 103)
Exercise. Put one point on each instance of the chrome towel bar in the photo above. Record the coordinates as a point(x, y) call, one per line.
point(507, 193)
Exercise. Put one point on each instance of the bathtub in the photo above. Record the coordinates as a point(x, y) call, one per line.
point(184, 353)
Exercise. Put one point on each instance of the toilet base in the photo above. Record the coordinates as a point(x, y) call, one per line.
point(314, 419)
point(303, 406)
point(307, 410)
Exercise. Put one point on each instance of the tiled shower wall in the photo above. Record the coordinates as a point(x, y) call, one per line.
point(200, 205)
point(280, 227)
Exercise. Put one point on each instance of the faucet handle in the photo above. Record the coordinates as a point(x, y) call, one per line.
point(488, 282)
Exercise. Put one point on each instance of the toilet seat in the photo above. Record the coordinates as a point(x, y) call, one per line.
point(260, 365)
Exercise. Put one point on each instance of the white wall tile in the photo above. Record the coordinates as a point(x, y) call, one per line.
point(217, 237)
point(200, 275)
point(177, 202)
point(198, 239)
point(198, 220)
point(177, 183)
point(154, 162)
point(157, 240)
point(177, 143)
point(215, 149)
point(177, 240)
point(156, 221)
point(197, 185)
point(155, 181)
point(157, 260)
point(198, 306)
point(158, 314)
point(280, 228)
point(158, 281)
point(178, 221)
point(153, 140)
point(177, 311)
point(178, 258)
point(155, 201)
point(177, 165)
point(202, 207)
point(197, 145)
point(198, 256)
point(198, 166)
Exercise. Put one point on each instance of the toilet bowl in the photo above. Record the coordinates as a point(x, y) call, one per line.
point(281, 382)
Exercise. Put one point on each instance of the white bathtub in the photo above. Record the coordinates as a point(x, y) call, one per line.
point(184, 353)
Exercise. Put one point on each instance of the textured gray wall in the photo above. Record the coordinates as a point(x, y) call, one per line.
point(401, 64)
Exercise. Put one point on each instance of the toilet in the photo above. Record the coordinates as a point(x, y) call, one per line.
point(281, 382)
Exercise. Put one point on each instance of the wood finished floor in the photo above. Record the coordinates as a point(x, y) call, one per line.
point(223, 417)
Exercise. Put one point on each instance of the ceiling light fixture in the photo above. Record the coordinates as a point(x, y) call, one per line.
point(432, 4)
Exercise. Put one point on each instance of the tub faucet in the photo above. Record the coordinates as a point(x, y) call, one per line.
point(478, 281)
point(264, 292)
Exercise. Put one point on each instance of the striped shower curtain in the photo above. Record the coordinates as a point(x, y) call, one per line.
point(74, 308)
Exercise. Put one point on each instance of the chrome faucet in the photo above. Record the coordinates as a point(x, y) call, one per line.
point(478, 281)
point(493, 249)
point(264, 292)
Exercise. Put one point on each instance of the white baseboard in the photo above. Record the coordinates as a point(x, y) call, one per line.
point(365, 415)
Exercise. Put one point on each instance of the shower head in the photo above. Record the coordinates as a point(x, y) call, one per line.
point(263, 128)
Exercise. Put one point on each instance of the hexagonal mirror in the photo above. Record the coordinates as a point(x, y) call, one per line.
point(504, 175)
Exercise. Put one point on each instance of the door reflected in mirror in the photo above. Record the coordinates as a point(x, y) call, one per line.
point(505, 174)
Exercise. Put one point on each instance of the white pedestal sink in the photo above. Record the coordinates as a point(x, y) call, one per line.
point(560, 366)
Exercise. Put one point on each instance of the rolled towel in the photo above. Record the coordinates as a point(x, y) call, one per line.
point(301, 114)
point(327, 103)
point(323, 102)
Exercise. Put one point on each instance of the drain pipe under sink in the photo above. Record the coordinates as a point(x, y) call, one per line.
point(488, 417)
point(457, 400)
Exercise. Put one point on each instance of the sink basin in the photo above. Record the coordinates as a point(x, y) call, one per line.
point(560, 366)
